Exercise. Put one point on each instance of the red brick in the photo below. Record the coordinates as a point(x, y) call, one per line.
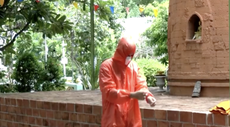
point(19, 102)
point(58, 115)
point(97, 110)
point(76, 125)
point(210, 119)
point(73, 117)
point(84, 125)
point(151, 123)
point(2, 101)
point(199, 118)
point(83, 117)
point(11, 109)
point(70, 107)
point(46, 105)
point(69, 124)
point(13, 101)
point(148, 113)
point(185, 116)
point(3, 124)
point(92, 119)
point(10, 124)
point(96, 126)
point(160, 114)
point(23, 125)
point(42, 113)
point(29, 111)
point(144, 123)
point(11, 117)
point(65, 116)
point(62, 107)
point(32, 120)
point(174, 124)
point(162, 124)
point(220, 119)
point(39, 121)
point(3, 108)
point(202, 125)
point(188, 125)
point(55, 106)
point(51, 123)
point(7, 101)
point(33, 104)
point(88, 109)
point(19, 118)
point(60, 123)
point(36, 112)
point(20, 110)
point(45, 122)
point(50, 114)
point(173, 115)
point(25, 119)
point(39, 104)
point(79, 108)
point(26, 103)
point(98, 119)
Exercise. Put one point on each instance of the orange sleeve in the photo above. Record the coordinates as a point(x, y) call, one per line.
point(108, 87)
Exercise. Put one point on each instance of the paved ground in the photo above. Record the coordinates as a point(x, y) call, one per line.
point(164, 101)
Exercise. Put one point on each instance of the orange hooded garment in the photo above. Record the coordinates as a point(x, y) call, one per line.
point(116, 81)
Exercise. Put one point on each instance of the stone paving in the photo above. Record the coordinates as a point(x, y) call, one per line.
point(164, 101)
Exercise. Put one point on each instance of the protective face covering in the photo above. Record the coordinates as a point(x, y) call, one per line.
point(128, 60)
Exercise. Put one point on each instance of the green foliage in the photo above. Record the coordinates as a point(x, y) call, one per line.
point(4, 86)
point(52, 77)
point(157, 33)
point(7, 88)
point(149, 68)
point(134, 10)
point(29, 16)
point(27, 73)
point(79, 44)
point(148, 11)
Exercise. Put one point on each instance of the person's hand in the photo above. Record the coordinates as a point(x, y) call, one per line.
point(151, 101)
point(139, 95)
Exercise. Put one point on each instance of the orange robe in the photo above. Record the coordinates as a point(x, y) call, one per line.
point(116, 81)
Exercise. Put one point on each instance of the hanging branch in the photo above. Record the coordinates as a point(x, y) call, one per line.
point(15, 36)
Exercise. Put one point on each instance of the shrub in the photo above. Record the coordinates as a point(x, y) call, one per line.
point(149, 68)
point(5, 87)
point(27, 72)
point(51, 76)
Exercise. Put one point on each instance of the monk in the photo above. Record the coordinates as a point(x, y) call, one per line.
point(122, 86)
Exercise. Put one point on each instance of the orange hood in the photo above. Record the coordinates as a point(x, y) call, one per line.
point(125, 48)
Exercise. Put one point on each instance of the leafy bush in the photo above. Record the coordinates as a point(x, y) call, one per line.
point(149, 68)
point(51, 76)
point(5, 87)
point(27, 73)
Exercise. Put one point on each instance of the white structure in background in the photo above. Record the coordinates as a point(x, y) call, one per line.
point(64, 60)
point(134, 27)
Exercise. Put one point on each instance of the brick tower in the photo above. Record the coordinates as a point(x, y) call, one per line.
point(198, 46)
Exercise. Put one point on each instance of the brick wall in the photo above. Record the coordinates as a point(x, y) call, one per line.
point(31, 113)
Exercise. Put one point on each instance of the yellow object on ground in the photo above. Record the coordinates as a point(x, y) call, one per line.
point(222, 108)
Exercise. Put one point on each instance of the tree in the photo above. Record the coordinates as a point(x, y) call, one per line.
point(52, 76)
point(107, 30)
point(21, 18)
point(157, 33)
point(27, 73)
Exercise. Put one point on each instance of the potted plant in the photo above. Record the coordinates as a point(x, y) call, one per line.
point(160, 80)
